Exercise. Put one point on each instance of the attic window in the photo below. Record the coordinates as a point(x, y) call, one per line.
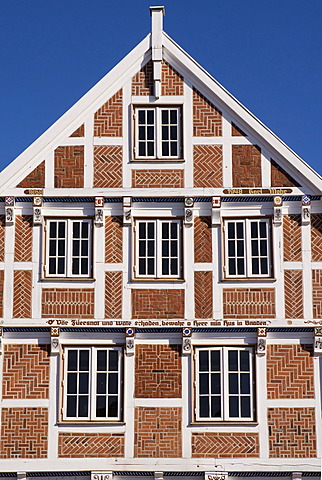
point(158, 133)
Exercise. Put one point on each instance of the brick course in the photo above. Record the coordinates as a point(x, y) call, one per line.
point(291, 432)
point(202, 240)
point(317, 293)
point(207, 166)
point(113, 294)
point(160, 178)
point(113, 239)
point(142, 81)
point(89, 445)
point(68, 302)
point(249, 302)
point(153, 303)
point(22, 293)
point(35, 179)
point(293, 288)
point(108, 166)
point(225, 445)
point(23, 238)
point(171, 80)
point(158, 432)
point(280, 178)
point(158, 371)
point(246, 166)
point(290, 371)
point(207, 119)
point(108, 119)
point(316, 237)
point(24, 432)
point(203, 295)
point(69, 167)
point(292, 235)
point(25, 371)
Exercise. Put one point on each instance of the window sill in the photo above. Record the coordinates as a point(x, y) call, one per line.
point(68, 279)
point(201, 423)
point(248, 279)
point(157, 160)
point(157, 280)
point(91, 422)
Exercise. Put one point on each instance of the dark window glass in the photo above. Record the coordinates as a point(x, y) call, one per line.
point(52, 265)
point(204, 407)
point(264, 266)
point(173, 116)
point(240, 230)
point(174, 266)
point(113, 360)
point(254, 229)
point(233, 383)
point(203, 360)
point(83, 406)
point(101, 406)
point(244, 383)
point(113, 383)
point(215, 360)
point(150, 266)
point(72, 383)
point(150, 117)
point(231, 230)
point(141, 116)
point(83, 383)
point(83, 359)
point(255, 266)
point(165, 266)
point(101, 383)
point(244, 360)
point(245, 406)
point(216, 407)
point(61, 229)
point(233, 407)
point(72, 360)
point(76, 229)
point(52, 229)
point(233, 360)
point(150, 149)
point(165, 116)
point(150, 133)
point(101, 360)
point(215, 383)
point(262, 229)
point(165, 149)
point(174, 149)
point(204, 383)
point(112, 406)
point(75, 266)
point(71, 406)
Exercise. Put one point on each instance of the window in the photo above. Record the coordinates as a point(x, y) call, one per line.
point(224, 380)
point(92, 383)
point(69, 245)
point(247, 247)
point(158, 132)
point(158, 249)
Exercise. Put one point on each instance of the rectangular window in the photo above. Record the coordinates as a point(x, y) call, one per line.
point(69, 247)
point(224, 384)
point(158, 132)
point(158, 248)
point(247, 248)
point(92, 383)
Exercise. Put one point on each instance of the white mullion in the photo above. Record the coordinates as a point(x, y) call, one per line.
point(68, 249)
point(225, 384)
point(157, 132)
point(92, 384)
point(119, 383)
point(248, 247)
point(158, 248)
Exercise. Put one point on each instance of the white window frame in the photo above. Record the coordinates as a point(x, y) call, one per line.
point(68, 248)
point(158, 248)
point(92, 395)
point(247, 248)
point(225, 393)
point(158, 132)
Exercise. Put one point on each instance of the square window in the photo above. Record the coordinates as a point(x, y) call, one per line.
point(68, 248)
point(158, 132)
point(224, 384)
point(92, 383)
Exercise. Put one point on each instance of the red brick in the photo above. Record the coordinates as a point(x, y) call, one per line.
point(153, 303)
point(90, 445)
point(35, 179)
point(207, 119)
point(69, 167)
point(246, 166)
point(109, 118)
point(225, 445)
point(160, 178)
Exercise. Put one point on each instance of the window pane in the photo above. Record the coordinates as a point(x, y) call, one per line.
point(142, 230)
point(233, 360)
point(263, 248)
point(101, 406)
point(165, 230)
point(204, 407)
point(254, 244)
point(203, 383)
point(142, 149)
point(61, 266)
point(173, 133)
point(76, 246)
point(165, 133)
point(231, 248)
point(254, 229)
point(150, 152)
point(232, 266)
point(101, 360)
point(112, 406)
point(61, 229)
point(165, 249)
point(52, 229)
point(165, 116)
point(264, 266)
point(84, 360)
point(71, 406)
point(233, 383)
point(76, 229)
point(72, 383)
point(215, 383)
point(173, 116)
point(174, 149)
point(83, 383)
point(113, 360)
point(142, 266)
point(101, 383)
point(141, 116)
point(231, 230)
point(215, 407)
point(174, 230)
point(142, 134)
point(174, 248)
point(165, 266)
point(245, 406)
point(52, 265)
point(151, 248)
point(263, 229)
point(84, 266)
point(113, 383)
point(165, 149)
point(83, 406)
point(150, 133)
point(151, 266)
point(75, 266)
point(240, 230)
point(255, 266)
point(244, 383)
point(215, 360)
point(174, 266)
point(61, 247)
point(233, 407)
point(240, 248)
point(72, 360)
point(240, 266)
point(52, 247)
point(150, 117)
point(151, 230)
point(244, 360)
point(203, 360)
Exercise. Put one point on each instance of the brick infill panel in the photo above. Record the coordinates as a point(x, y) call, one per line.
point(207, 119)
point(67, 302)
point(79, 132)
point(2, 237)
point(158, 432)
point(292, 432)
point(109, 118)
point(316, 237)
point(249, 302)
point(25, 371)
point(171, 80)
point(108, 166)
point(90, 445)
point(203, 295)
point(24, 432)
point(1, 291)
point(290, 371)
point(225, 445)
point(202, 240)
point(142, 81)
point(160, 178)
point(69, 167)
point(237, 131)
point(23, 238)
point(207, 166)
point(22, 293)
point(280, 178)
point(35, 179)
point(113, 239)
point(153, 303)
point(293, 291)
point(113, 294)
point(246, 166)
point(292, 236)
point(317, 293)
point(158, 371)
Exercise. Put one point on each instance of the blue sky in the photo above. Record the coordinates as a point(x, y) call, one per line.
point(267, 53)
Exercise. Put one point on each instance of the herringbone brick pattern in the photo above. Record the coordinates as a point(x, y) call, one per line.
point(291, 432)
point(113, 294)
point(158, 371)
point(293, 288)
point(317, 293)
point(290, 371)
point(280, 178)
point(23, 238)
point(153, 303)
point(25, 371)
point(113, 239)
point(249, 302)
point(171, 80)
point(35, 179)
point(207, 166)
point(316, 237)
point(24, 432)
point(225, 445)
point(158, 432)
point(246, 166)
point(292, 234)
point(22, 293)
point(207, 119)
point(68, 302)
point(108, 119)
point(2, 237)
point(157, 178)
point(1, 292)
point(203, 295)
point(79, 132)
point(142, 82)
point(69, 167)
point(108, 166)
point(237, 131)
point(89, 445)
point(202, 240)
